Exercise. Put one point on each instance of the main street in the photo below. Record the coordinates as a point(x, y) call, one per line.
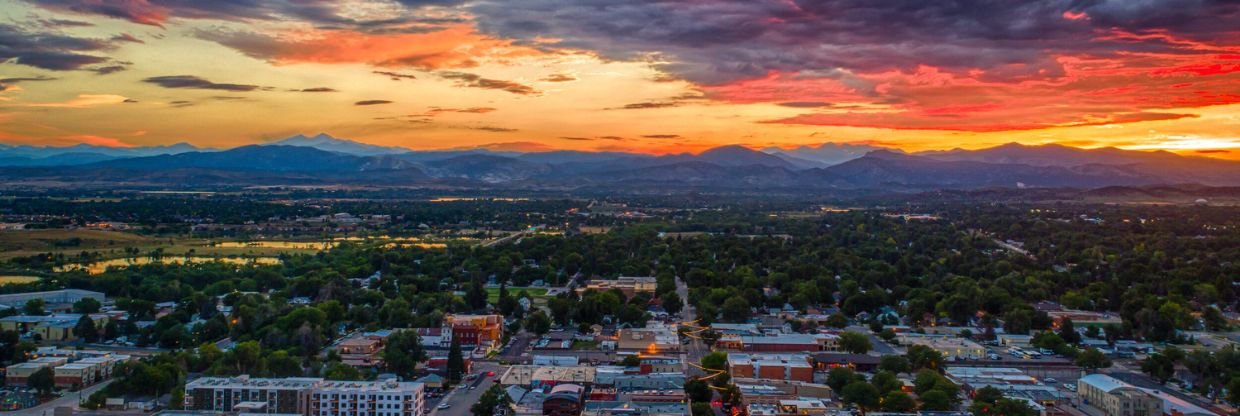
point(694, 351)
point(469, 392)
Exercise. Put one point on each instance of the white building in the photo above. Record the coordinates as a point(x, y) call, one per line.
point(377, 398)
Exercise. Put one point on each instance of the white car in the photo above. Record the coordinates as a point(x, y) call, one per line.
point(443, 406)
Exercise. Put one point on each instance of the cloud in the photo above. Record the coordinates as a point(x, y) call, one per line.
point(105, 70)
point(54, 23)
point(94, 140)
point(125, 37)
point(559, 77)
point(592, 138)
point(475, 81)
point(580, 139)
point(805, 104)
point(1001, 120)
point(318, 89)
point(1213, 151)
point(84, 101)
point(180, 103)
point(191, 81)
point(16, 80)
point(47, 50)
point(372, 102)
point(514, 147)
point(395, 76)
point(434, 111)
point(454, 46)
point(496, 129)
point(662, 136)
point(648, 105)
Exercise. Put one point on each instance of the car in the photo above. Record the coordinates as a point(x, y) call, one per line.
point(473, 387)
point(490, 374)
point(443, 406)
point(1050, 380)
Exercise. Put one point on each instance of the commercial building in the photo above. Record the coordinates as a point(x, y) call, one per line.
point(656, 338)
point(52, 300)
point(1117, 398)
point(16, 374)
point(484, 333)
point(779, 343)
point(253, 395)
point(379, 398)
point(629, 285)
point(634, 408)
point(789, 408)
point(825, 361)
point(53, 328)
point(538, 377)
point(564, 400)
point(951, 347)
point(771, 366)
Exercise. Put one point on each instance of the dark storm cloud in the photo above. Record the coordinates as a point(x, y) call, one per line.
point(46, 50)
point(372, 102)
point(716, 41)
point(475, 81)
point(190, 81)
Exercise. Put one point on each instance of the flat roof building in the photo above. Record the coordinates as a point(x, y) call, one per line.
point(380, 398)
point(1117, 398)
point(224, 394)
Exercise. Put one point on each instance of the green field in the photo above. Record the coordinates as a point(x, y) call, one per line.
point(493, 293)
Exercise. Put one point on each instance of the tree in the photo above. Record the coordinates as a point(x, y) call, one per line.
point(672, 303)
point(921, 356)
point(33, 307)
point(703, 408)
point(736, 309)
point(698, 390)
point(855, 342)
point(886, 381)
point(402, 353)
point(492, 398)
point(631, 361)
point(839, 377)
point(935, 400)
point(538, 322)
point(862, 394)
point(1092, 359)
point(1067, 331)
point(717, 360)
point(342, 372)
point(1160, 366)
point(1233, 391)
point(898, 401)
point(989, 401)
point(837, 320)
point(42, 380)
point(86, 305)
point(894, 363)
point(456, 363)
point(85, 329)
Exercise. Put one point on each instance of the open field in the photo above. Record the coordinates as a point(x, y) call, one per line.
point(536, 293)
point(112, 244)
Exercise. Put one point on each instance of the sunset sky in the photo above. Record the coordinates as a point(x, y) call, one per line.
point(647, 76)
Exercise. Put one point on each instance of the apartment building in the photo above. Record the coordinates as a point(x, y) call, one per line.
point(376, 398)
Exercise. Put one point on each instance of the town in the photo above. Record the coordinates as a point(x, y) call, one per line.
point(619, 308)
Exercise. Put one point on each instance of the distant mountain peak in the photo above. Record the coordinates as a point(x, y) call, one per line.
point(324, 141)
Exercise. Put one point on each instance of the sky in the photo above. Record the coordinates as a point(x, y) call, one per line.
point(656, 76)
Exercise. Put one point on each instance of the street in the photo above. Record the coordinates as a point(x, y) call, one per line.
point(70, 399)
point(696, 348)
point(462, 396)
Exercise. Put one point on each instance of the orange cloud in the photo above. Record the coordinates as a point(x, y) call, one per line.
point(456, 46)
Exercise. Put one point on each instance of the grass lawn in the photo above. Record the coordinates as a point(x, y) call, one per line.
point(535, 292)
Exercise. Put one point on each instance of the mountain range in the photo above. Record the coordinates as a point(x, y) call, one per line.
point(325, 160)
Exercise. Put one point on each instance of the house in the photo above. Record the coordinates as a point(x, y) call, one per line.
point(435, 337)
